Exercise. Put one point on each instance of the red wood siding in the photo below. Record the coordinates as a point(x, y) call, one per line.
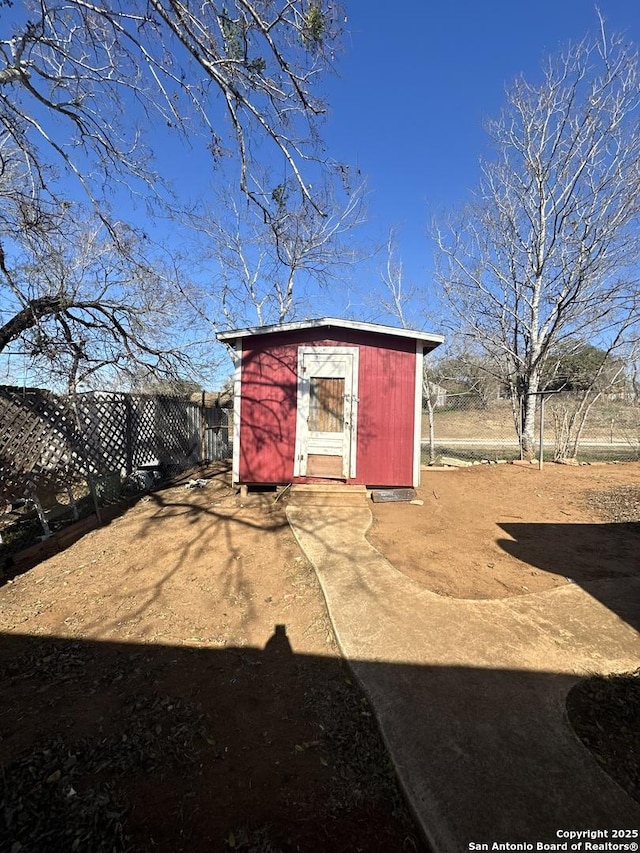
point(386, 389)
point(385, 415)
point(267, 412)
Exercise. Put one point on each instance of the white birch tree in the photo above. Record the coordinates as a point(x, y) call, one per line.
point(548, 248)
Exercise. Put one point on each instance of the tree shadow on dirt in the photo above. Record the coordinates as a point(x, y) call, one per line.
point(208, 527)
point(123, 746)
point(205, 532)
point(16, 560)
point(597, 557)
point(204, 529)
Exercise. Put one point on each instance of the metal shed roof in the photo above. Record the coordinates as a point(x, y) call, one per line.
point(328, 322)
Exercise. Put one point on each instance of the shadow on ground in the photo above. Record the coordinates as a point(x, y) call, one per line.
point(24, 547)
point(594, 556)
point(113, 746)
point(110, 746)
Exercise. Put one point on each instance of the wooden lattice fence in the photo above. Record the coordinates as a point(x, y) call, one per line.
point(47, 441)
point(39, 443)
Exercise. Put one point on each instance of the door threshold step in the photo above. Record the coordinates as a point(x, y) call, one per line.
point(327, 494)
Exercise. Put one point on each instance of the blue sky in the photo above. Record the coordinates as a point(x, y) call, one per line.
point(407, 106)
point(414, 90)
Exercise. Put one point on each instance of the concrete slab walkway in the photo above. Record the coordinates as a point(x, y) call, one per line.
point(470, 695)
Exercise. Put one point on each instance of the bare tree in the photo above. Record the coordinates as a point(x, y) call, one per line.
point(398, 299)
point(548, 247)
point(635, 376)
point(76, 305)
point(85, 87)
point(267, 266)
point(81, 81)
point(608, 371)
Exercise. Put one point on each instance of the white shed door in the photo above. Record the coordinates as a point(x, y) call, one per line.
point(327, 412)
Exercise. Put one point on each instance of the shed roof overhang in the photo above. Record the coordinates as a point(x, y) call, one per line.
point(427, 340)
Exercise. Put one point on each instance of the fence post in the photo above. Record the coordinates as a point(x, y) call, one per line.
point(203, 431)
point(520, 424)
point(541, 462)
point(128, 434)
point(84, 455)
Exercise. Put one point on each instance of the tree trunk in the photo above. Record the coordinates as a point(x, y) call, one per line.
point(432, 433)
point(426, 397)
point(529, 400)
point(28, 317)
point(581, 419)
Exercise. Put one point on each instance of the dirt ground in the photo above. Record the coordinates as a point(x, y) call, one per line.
point(503, 530)
point(171, 682)
point(506, 530)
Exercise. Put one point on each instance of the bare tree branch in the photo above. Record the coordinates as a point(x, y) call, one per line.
point(105, 70)
point(84, 87)
point(266, 265)
point(77, 304)
point(548, 249)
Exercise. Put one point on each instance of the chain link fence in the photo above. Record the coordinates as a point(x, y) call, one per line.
point(464, 425)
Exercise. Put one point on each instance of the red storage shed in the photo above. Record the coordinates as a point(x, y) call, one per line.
point(327, 400)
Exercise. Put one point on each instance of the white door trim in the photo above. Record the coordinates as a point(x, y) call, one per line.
point(324, 355)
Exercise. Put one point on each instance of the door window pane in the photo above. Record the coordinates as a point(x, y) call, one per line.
point(326, 404)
